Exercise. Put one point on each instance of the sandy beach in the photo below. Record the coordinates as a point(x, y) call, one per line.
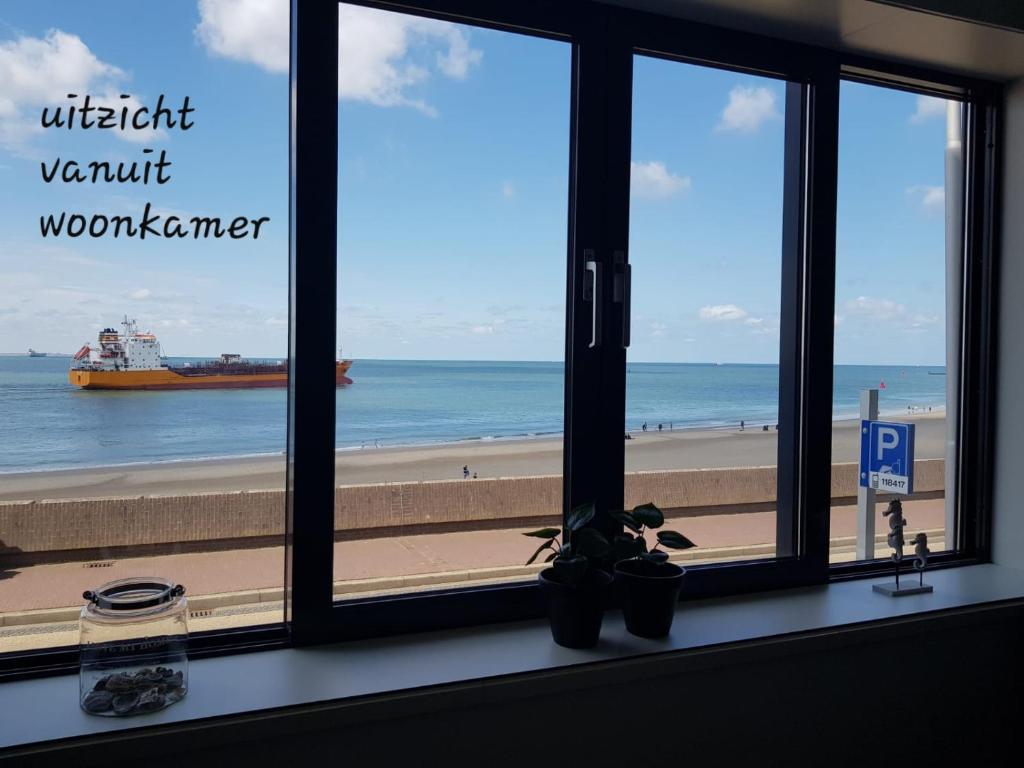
point(652, 450)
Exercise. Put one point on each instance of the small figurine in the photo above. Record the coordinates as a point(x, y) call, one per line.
point(921, 553)
point(895, 538)
point(896, 525)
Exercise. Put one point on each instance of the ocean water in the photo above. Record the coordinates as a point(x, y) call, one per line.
point(45, 423)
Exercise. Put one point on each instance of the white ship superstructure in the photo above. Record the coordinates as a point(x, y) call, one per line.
point(127, 351)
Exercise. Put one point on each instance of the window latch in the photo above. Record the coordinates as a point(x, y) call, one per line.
point(592, 293)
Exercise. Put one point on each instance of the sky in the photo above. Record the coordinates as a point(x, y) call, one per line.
point(453, 178)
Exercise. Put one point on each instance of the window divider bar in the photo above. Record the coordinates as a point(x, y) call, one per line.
point(313, 319)
point(787, 538)
point(818, 321)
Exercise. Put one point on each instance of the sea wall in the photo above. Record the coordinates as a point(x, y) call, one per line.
point(34, 527)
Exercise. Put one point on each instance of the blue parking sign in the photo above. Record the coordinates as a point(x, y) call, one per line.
point(887, 456)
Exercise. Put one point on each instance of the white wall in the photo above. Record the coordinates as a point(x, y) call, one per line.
point(1008, 514)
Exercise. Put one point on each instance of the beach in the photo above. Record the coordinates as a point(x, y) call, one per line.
point(647, 451)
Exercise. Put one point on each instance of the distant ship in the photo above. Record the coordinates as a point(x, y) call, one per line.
point(33, 353)
point(133, 360)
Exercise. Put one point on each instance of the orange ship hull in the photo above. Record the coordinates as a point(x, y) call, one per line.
point(168, 379)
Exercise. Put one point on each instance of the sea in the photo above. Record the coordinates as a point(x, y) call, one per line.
point(45, 423)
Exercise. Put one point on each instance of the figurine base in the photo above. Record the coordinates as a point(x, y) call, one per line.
point(889, 588)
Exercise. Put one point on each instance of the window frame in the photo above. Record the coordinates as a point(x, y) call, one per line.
point(982, 102)
point(311, 616)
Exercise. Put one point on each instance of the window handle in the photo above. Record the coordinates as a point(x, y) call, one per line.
point(621, 292)
point(626, 311)
point(592, 293)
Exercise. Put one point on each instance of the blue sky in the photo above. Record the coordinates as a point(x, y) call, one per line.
point(453, 193)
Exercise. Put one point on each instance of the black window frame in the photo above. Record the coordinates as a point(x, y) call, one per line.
point(604, 39)
point(982, 102)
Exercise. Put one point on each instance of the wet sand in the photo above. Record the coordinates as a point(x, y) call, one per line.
point(652, 450)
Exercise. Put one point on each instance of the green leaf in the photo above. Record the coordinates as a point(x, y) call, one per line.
point(544, 533)
point(590, 542)
point(572, 569)
point(657, 556)
point(674, 540)
point(550, 557)
point(580, 516)
point(649, 515)
point(541, 548)
point(625, 546)
point(627, 519)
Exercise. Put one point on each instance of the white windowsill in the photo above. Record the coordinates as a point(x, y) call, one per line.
point(47, 709)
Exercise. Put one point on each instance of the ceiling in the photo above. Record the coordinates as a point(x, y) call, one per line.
point(991, 47)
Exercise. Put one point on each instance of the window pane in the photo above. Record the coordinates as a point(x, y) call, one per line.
point(187, 483)
point(898, 261)
point(453, 161)
point(705, 249)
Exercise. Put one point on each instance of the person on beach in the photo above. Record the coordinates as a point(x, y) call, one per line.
point(743, 425)
point(465, 471)
point(474, 475)
point(644, 427)
point(659, 427)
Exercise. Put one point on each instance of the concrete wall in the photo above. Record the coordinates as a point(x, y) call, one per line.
point(55, 526)
point(1008, 509)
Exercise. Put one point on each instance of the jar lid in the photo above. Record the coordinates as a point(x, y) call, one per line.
point(134, 594)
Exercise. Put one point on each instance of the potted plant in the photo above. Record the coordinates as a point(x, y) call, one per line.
point(575, 585)
point(650, 584)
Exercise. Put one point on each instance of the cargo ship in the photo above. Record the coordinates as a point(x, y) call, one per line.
point(130, 360)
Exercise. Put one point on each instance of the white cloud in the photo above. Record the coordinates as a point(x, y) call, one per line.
point(722, 312)
point(748, 108)
point(875, 309)
point(139, 294)
point(893, 314)
point(38, 72)
point(254, 31)
point(754, 321)
point(659, 330)
point(376, 48)
point(928, 107)
point(483, 329)
point(653, 181)
point(931, 199)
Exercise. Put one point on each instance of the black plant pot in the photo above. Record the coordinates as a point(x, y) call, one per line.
point(650, 592)
point(575, 610)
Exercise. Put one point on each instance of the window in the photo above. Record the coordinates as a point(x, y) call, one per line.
point(186, 482)
point(503, 232)
point(702, 380)
point(452, 204)
point(899, 263)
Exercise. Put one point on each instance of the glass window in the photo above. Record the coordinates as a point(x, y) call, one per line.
point(899, 260)
point(128, 445)
point(452, 206)
point(702, 381)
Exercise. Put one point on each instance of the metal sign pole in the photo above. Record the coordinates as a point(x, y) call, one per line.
point(866, 496)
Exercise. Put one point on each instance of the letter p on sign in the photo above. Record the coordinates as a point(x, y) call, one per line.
point(888, 438)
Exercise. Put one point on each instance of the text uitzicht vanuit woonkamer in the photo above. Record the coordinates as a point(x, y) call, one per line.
point(90, 115)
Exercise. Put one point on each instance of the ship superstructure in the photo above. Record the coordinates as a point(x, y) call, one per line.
point(131, 359)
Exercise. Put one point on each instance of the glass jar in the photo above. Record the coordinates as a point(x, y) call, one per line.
point(133, 642)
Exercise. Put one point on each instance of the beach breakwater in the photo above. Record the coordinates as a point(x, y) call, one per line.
point(69, 529)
